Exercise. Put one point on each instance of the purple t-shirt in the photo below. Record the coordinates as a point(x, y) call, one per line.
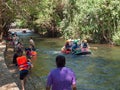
point(61, 79)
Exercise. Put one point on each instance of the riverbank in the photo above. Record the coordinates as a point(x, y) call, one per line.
point(13, 70)
point(6, 80)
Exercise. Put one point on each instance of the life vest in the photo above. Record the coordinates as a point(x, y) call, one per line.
point(85, 45)
point(66, 51)
point(84, 49)
point(22, 63)
point(34, 53)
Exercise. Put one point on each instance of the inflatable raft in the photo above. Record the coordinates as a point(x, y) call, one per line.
point(66, 51)
point(83, 51)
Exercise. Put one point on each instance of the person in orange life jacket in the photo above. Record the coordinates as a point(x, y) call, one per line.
point(23, 66)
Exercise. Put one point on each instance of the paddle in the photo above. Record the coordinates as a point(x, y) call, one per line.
point(93, 48)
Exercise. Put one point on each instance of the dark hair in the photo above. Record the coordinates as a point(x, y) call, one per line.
point(60, 61)
point(20, 53)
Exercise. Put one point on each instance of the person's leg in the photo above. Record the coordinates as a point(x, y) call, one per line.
point(23, 75)
point(22, 84)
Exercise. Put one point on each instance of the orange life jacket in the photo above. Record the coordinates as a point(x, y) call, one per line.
point(22, 63)
point(33, 53)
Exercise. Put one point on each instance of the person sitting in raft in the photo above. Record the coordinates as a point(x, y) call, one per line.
point(24, 67)
point(75, 47)
point(68, 46)
point(84, 45)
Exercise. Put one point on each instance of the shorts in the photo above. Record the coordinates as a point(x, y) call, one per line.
point(23, 74)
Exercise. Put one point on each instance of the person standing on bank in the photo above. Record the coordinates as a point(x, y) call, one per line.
point(15, 57)
point(61, 78)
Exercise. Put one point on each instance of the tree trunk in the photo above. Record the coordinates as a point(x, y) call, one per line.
point(1, 29)
point(1, 36)
point(1, 21)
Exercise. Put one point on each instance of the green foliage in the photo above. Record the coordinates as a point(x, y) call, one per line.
point(20, 23)
point(116, 37)
point(94, 19)
point(97, 20)
point(7, 15)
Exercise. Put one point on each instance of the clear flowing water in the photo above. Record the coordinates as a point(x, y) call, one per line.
point(98, 71)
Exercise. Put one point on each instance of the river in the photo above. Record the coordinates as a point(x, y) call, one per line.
point(98, 71)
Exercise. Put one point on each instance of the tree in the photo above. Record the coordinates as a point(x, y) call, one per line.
point(97, 20)
point(6, 17)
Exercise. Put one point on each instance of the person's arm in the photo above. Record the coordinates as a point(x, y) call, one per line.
point(49, 81)
point(74, 82)
point(73, 87)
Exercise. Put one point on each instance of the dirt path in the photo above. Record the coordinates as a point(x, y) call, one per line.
point(6, 79)
point(14, 70)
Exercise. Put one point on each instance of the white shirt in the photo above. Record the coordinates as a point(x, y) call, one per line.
point(32, 42)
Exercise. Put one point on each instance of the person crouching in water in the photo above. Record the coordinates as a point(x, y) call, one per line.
point(30, 52)
point(24, 67)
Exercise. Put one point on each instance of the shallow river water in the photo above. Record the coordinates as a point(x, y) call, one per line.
point(98, 71)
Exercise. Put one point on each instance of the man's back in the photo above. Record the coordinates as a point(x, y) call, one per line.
point(61, 79)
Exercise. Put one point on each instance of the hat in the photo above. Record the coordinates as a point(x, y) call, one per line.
point(85, 40)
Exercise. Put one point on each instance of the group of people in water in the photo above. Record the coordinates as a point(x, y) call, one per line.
point(22, 57)
point(75, 45)
point(60, 78)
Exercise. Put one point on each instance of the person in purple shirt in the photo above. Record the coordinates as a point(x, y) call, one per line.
point(61, 78)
